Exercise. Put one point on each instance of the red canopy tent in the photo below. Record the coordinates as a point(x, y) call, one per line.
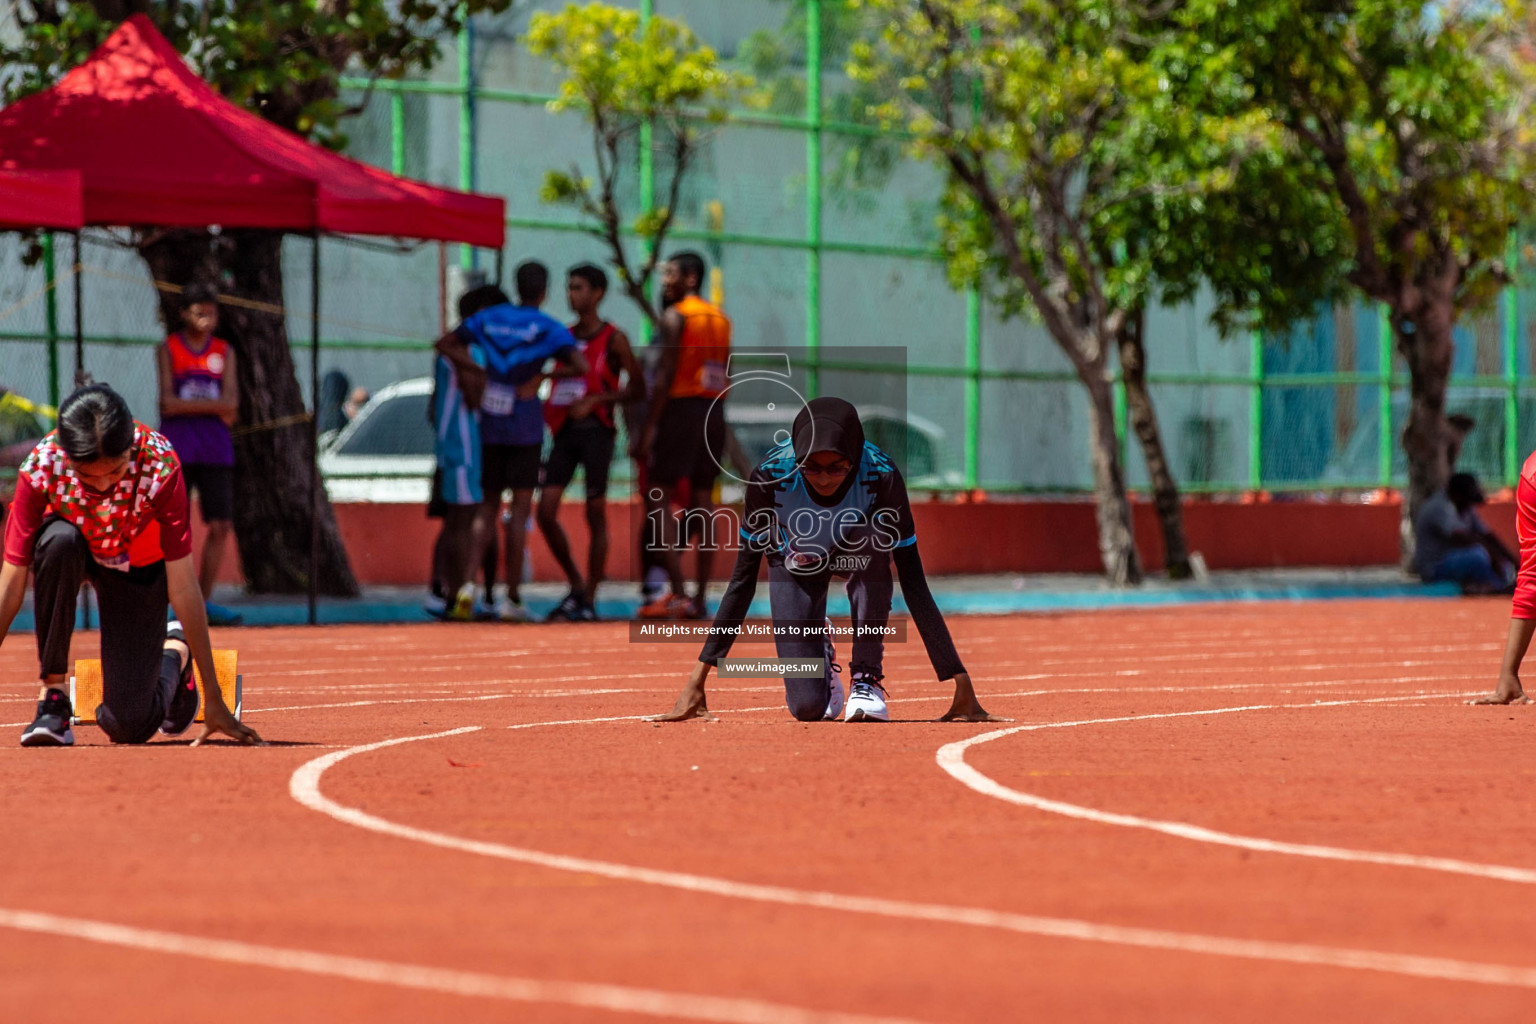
point(40, 199)
point(155, 144)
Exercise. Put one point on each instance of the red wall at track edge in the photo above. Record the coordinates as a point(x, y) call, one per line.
point(390, 544)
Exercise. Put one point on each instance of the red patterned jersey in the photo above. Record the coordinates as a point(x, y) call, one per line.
point(139, 522)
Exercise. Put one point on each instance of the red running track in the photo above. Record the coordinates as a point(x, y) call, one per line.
point(1352, 845)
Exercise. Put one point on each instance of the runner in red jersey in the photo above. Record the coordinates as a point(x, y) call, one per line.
point(102, 499)
point(580, 414)
point(1522, 619)
point(199, 401)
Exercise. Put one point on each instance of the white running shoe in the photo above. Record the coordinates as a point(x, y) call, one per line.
point(504, 608)
point(866, 700)
point(834, 680)
point(435, 605)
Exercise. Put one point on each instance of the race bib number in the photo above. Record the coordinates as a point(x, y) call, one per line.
point(116, 562)
point(499, 400)
point(713, 376)
point(196, 389)
point(568, 391)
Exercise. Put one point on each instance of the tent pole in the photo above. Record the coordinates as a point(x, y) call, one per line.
point(314, 425)
point(79, 306)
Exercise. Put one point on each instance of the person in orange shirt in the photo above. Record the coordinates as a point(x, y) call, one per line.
point(684, 434)
point(1522, 617)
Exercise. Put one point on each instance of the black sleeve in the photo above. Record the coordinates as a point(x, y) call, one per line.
point(733, 606)
point(756, 535)
point(894, 510)
point(925, 612)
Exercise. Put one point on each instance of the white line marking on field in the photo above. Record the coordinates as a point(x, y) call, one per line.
point(951, 758)
point(304, 787)
point(616, 998)
point(506, 695)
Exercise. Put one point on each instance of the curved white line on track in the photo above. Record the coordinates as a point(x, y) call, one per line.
point(304, 787)
point(588, 995)
point(951, 758)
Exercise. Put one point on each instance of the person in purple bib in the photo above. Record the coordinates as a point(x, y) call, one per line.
point(199, 400)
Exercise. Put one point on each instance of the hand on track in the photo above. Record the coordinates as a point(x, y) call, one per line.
point(691, 703)
point(219, 720)
point(965, 707)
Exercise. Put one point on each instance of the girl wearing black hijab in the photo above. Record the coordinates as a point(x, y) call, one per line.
point(827, 503)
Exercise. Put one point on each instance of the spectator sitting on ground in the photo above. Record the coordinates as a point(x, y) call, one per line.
point(1452, 543)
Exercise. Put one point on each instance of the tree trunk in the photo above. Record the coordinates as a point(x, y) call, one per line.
point(1165, 490)
point(273, 450)
point(1425, 340)
point(1117, 540)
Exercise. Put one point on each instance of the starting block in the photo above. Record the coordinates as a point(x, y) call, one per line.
point(85, 685)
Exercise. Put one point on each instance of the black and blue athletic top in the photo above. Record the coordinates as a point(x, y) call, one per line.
point(785, 519)
point(789, 524)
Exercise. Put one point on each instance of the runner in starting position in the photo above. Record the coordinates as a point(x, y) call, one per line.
point(827, 503)
point(1522, 617)
point(102, 499)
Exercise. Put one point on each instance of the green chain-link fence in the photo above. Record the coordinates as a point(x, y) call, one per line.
point(821, 233)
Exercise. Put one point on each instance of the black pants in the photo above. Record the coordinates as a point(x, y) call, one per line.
point(801, 599)
point(137, 676)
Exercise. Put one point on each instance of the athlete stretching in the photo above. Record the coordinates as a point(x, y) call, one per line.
point(824, 503)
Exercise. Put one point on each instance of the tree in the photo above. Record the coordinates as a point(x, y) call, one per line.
point(1413, 117)
point(633, 84)
point(283, 62)
point(1064, 149)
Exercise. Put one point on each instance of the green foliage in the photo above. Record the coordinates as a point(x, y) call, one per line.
point(614, 70)
point(281, 60)
point(1082, 183)
point(622, 77)
point(1414, 116)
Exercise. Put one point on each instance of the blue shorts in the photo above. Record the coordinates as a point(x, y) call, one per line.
point(459, 484)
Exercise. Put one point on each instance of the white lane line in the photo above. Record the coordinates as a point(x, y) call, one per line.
point(951, 758)
point(616, 998)
point(506, 695)
point(304, 787)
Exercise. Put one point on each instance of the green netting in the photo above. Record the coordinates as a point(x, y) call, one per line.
point(822, 233)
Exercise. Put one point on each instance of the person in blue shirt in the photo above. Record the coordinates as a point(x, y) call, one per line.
point(458, 389)
point(517, 340)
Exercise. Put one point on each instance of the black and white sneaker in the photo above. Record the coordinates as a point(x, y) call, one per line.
point(835, 697)
point(587, 612)
point(51, 727)
point(866, 700)
point(183, 709)
point(568, 610)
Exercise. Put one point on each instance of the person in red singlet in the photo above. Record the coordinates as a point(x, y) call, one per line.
point(1522, 617)
point(199, 400)
point(102, 499)
point(580, 414)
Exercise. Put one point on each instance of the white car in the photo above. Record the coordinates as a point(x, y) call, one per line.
point(386, 453)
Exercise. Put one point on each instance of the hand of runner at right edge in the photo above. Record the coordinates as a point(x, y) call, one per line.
point(691, 702)
point(965, 707)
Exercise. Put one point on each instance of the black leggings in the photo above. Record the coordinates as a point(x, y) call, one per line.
point(137, 676)
point(802, 600)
